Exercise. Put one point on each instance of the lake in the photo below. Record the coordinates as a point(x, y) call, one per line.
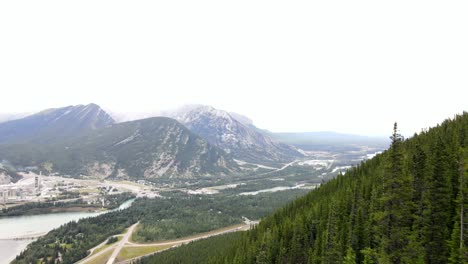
point(34, 225)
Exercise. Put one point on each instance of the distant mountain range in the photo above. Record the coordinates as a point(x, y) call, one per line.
point(84, 140)
point(50, 124)
point(327, 140)
point(193, 141)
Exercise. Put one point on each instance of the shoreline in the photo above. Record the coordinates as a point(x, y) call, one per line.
point(71, 209)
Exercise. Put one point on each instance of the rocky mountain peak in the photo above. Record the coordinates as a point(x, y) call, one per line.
point(55, 122)
point(240, 138)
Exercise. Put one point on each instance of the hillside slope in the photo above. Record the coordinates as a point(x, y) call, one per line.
point(239, 138)
point(148, 148)
point(7, 176)
point(407, 205)
point(52, 124)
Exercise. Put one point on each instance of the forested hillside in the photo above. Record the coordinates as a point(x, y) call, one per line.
point(406, 205)
point(175, 215)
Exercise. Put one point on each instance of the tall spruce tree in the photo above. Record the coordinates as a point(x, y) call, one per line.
point(459, 241)
point(397, 205)
point(332, 253)
point(438, 220)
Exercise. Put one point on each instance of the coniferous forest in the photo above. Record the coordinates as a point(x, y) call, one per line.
point(406, 205)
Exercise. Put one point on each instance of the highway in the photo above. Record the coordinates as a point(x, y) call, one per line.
point(122, 244)
point(126, 237)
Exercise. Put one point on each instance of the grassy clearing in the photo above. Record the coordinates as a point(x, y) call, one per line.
point(101, 259)
point(133, 252)
point(196, 236)
point(97, 250)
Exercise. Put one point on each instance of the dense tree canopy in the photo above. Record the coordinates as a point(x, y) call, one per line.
point(406, 205)
point(172, 216)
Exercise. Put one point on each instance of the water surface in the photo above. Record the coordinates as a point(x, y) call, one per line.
point(33, 226)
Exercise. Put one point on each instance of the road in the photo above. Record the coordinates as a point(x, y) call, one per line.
point(100, 245)
point(198, 237)
point(91, 258)
point(177, 243)
point(282, 168)
point(122, 244)
point(125, 242)
point(116, 248)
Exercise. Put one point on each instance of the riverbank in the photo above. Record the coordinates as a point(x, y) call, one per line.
point(107, 202)
point(15, 230)
point(71, 209)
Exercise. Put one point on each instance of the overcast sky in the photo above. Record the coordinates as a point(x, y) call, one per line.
point(346, 66)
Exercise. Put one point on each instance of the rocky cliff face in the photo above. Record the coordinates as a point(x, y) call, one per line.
point(240, 138)
point(160, 147)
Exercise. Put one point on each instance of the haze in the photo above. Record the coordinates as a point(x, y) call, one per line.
point(346, 66)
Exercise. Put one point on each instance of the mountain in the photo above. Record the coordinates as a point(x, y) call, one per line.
point(326, 140)
point(239, 138)
point(406, 205)
point(149, 148)
point(5, 117)
point(51, 124)
point(8, 176)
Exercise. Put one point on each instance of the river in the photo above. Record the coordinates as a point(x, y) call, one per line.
point(34, 225)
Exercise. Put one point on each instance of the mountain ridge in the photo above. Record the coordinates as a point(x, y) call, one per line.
point(49, 124)
point(244, 142)
point(148, 148)
point(85, 140)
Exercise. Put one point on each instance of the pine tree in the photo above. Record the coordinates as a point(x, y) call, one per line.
point(369, 256)
point(415, 248)
point(397, 204)
point(350, 257)
point(332, 254)
point(459, 241)
point(438, 219)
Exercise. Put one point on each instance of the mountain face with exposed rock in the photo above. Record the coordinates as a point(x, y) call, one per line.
point(156, 147)
point(151, 148)
point(237, 136)
point(48, 125)
point(7, 176)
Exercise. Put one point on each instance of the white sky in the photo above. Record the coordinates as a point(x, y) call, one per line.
point(347, 66)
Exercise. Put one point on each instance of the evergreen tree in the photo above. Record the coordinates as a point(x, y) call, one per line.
point(332, 253)
point(350, 257)
point(397, 204)
point(459, 241)
point(438, 220)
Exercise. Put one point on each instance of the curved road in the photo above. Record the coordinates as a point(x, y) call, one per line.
point(90, 258)
point(125, 242)
point(187, 240)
